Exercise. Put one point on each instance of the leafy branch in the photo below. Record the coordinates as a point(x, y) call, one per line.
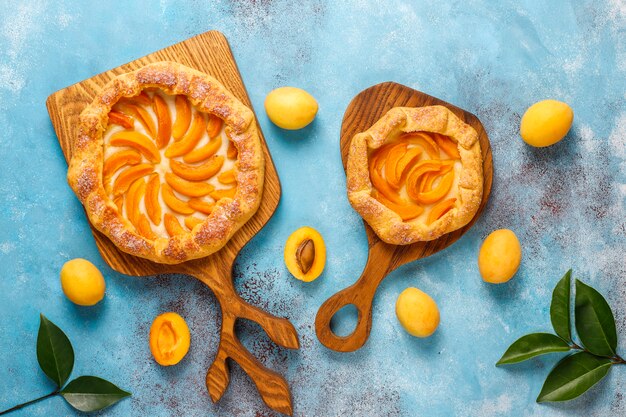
point(55, 355)
point(595, 326)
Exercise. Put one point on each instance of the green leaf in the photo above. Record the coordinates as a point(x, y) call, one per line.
point(54, 352)
point(559, 308)
point(532, 345)
point(573, 376)
point(594, 321)
point(90, 393)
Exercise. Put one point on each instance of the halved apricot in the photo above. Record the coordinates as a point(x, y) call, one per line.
point(198, 172)
point(406, 210)
point(447, 145)
point(169, 339)
point(188, 188)
point(204, 152)
point(231, 151)
point(138, 141)
point(200, 205)
point(183, 117)
point(128, 176)
point(189, 139)
point(227, 177)
point(164, 121)
point(223, 193)
point(121, 119)
point(172, 226)
point(191, 222)
point(214, 126)
point(153, 206)
point(118, 160)
point(440, 209)
point(305, 254)
point(173, 202)
point(424, 141)
point(438, 192)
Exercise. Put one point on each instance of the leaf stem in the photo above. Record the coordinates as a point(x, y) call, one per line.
point(617, 359)
point(17, 407)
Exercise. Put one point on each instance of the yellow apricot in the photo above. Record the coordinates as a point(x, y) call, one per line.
point(169, 339)
point(500, 256)
point(305, 254)
point(290, 108)
point(82, 282)
point(417, 312)
point(546, 122)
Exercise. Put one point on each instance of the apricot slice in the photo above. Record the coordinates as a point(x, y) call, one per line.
point(416, 173)
point(447, 145)
point(173, 202)
point(172, 226)
point(188, 188)
point(227, 177)
point(393, 157)
point(164, 121)
point(305, 254)
point(140, 99)
point(183, 117)
point(438, 192)
point(153, 206)
point(231, 151)
point(134, 195)
point(223, 193)
point(406, 210)
point(204, 152)
point(424, 141)
point(191, 222)
point(377, 161)
point(140, 114)
point(138, 141)
point(119, 202)
point(440, 209)
point(121, 119)
point(120, 159)
point(198, 172)
point(128, 176)
point(169, 339)
point(143, 225)
point(189, 139)
point(214, 126)
point(405, 163)
point(200, 205)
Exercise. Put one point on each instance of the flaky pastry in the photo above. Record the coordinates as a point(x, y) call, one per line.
point(150, 165)
point(416, 174)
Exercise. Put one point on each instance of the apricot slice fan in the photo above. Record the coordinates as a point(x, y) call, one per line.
point(200, 170)
point(419, 165)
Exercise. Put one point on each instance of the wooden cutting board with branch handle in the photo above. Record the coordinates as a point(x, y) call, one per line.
point(210, 53)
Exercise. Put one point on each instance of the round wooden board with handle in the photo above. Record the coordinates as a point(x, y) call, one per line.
point(211, 54)
point(362, 112)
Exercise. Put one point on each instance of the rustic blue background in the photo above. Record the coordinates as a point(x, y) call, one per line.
point(566, 203)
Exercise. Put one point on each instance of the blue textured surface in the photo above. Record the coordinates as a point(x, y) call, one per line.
point(566, 203)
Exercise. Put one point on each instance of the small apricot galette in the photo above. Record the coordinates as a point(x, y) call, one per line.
point(416, 174)
point(168, 163)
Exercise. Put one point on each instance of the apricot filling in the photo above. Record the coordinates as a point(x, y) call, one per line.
point(166, 163)
point(169, 339)
point(415, 175)
point(305, 254)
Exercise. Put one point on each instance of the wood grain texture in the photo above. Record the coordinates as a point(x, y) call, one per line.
point(362, 112)
point(211, 54)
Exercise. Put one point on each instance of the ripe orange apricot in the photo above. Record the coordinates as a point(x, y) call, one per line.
point(169, 339)
point(305, 254)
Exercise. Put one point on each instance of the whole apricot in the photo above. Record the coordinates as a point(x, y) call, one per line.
point(546, 122)
point(417, 312)
point(169, 339)
point(499, 257)
point(82, 282)
point(290, 108)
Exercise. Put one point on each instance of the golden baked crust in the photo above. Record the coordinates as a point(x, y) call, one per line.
point(85, 173)
point(387, 224)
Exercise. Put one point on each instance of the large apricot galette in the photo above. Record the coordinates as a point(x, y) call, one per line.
point(167, 163)
point(416, 174)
